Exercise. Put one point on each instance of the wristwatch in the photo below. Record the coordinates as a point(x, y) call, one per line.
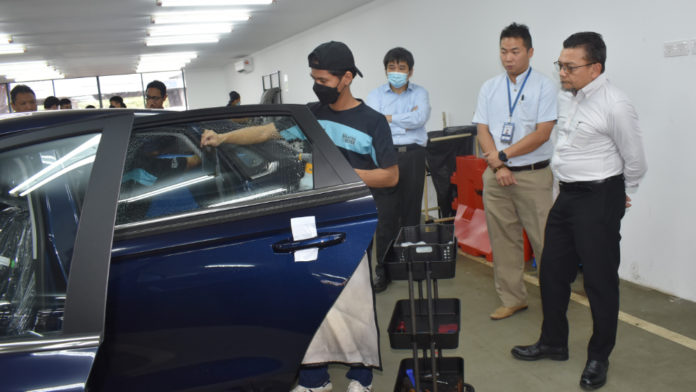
point(502, 156)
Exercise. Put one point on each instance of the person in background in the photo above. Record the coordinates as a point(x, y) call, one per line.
point(515, 114)
point(598, 159)
point(116, 102)
point(22, 99)
point(155, 95)
point(65, 103)
point(235, 99)
point(406, 106)
point(51, 103)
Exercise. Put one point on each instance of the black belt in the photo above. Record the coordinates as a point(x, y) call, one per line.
point(407, 147)
point(584, 185)
point(533, 166)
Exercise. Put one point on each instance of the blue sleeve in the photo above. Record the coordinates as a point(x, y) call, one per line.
point(413, 119)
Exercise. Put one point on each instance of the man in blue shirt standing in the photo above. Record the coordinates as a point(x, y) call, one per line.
point(406, 107)
point(514, 117)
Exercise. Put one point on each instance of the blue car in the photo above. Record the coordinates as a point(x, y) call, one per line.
point(132, 259)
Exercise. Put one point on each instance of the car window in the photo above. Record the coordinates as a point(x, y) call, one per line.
point(42, 188)
point(168, 172)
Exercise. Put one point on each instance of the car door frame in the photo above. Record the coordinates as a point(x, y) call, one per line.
point(85, 304)
point(334, 179)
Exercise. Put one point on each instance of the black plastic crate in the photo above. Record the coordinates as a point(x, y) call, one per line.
point(450, 374)
point(445, 318)
point(434, 243)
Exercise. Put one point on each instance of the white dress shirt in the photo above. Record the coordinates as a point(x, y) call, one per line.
point(598, 136)
point(537, 104)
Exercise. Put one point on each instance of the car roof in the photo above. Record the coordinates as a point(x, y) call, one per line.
point(16, 122)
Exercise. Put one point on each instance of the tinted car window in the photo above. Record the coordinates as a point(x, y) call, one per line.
point(167, 172)
point(41, 192)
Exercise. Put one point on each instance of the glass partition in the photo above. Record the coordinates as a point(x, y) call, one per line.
point(80, 91)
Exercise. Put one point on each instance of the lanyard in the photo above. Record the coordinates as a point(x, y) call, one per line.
point(510, 104)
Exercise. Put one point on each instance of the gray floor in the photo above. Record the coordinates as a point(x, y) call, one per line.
point(641, 361)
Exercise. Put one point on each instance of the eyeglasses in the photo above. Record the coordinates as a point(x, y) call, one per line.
point(151, 98)
point(569, 68)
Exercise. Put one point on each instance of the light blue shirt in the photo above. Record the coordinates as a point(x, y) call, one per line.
point(407, 125)
point(537, 104)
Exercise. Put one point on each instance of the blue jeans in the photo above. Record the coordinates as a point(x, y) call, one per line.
point(316, 376)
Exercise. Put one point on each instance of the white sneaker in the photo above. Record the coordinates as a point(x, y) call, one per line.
point(324, 388)
point(355, 386)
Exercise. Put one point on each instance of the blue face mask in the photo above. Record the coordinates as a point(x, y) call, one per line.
point(397, 79)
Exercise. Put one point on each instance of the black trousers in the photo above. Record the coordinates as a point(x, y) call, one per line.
point(583, 227)
point(410, 186)
point(387, 225)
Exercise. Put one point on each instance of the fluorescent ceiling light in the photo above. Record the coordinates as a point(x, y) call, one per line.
point(34, 76)
point(6, 38)
point(23, 65)
point(183, 40)
point(29, 70)
point(213, 3)
point(201, 17)
point(12, 49)
point(165, 61)
point(189, 29)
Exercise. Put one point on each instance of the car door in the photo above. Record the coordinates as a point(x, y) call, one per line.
point(58, 190)
point(210, 288)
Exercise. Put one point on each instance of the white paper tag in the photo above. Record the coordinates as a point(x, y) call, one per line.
point(4, 261)
point(304, 228)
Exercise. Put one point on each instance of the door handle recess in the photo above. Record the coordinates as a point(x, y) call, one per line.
point(323, 240)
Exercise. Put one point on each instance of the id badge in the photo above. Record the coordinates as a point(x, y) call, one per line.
point(508, 132)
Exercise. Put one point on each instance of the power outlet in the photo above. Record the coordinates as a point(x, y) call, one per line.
point(677, 48)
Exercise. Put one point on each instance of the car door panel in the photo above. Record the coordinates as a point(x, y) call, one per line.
point(63, 356)
point(200, 300)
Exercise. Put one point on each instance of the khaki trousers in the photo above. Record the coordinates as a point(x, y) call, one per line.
point(508, 210)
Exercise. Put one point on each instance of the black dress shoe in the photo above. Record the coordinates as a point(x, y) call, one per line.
point(380, 284)
point(595, 374)
point(540, 351)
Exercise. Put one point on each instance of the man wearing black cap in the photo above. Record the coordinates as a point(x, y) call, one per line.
point(349, 331)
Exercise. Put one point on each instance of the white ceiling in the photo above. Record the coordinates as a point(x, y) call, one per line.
point(106, 37)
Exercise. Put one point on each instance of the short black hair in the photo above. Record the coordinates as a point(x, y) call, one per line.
point(51, 101)
point(20, 89)
point(515, 30)
point(399, 55)
point(117, 98)
point(65, 101)
point(90, 107)
point(595, 49)
point(234, 96)
point(158, 85)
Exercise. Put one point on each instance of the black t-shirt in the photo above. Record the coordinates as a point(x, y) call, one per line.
point(361, 134)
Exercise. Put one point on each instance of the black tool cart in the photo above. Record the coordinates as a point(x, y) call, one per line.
point(424, 254)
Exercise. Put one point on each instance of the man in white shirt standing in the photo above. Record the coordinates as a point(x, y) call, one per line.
point(514, 117)
point(598, 159)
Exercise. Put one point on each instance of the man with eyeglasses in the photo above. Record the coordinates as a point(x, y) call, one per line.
point(515, 114)
point(155, 95)
point(598, 159)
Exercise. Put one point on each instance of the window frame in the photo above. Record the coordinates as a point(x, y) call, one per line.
point(85, 303)
point(334, 178)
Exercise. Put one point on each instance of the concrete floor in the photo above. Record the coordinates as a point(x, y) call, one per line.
point(641, 361)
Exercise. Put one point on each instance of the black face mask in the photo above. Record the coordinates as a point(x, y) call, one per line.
point(327, 95)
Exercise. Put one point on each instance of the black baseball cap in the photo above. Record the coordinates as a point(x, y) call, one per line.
point(333, 56)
